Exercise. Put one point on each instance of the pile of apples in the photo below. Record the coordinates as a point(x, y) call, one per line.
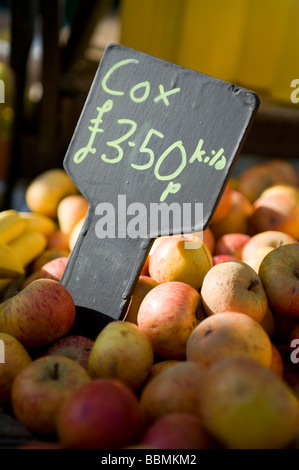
point(207, 355)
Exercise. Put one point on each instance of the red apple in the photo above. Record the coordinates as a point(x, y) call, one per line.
point(231, 244)
point(104, 414)
point(256, 179)
point(143, 286)
point(53, 269)
point(177, 431)
point(277, 208)
point(175, 389)
point(39, 314)
point(41, 388)
point(221, 258)
point(237, 220)
point(167, 315)
point(75, 347)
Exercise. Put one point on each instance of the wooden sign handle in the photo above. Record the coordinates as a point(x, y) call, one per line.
point(101, 275)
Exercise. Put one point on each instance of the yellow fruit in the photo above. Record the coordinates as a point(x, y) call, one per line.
point(245, 405)
point(10, 265)
point(70, 210)
point(29, 246)
point(121, 351)
point(39, 222)
point(11, 226)
point(46, 191)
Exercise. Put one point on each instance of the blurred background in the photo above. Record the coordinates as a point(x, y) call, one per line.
point(50, 50)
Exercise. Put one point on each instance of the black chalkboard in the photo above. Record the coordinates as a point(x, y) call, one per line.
point(152, 152)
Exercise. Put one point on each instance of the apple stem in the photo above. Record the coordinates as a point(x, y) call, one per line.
point(55, 371)
point(254, 283)
point(297, 273)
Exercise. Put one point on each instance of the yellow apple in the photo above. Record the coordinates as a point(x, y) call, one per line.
point(46, 191)
point(70, 210)
point(180, 259)
point(245, 405)
point(121, 351)
point(234, 286)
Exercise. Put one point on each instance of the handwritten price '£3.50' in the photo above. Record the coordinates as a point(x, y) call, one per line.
point(217, 159)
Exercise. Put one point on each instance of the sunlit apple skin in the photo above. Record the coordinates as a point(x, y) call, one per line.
point(40, 313)
point(269, 239)
point(279, 273)
point(234, 286)
point(167, 315)
point(121, 351)
point(277, 208)
point(180, 259)
point(228, 334)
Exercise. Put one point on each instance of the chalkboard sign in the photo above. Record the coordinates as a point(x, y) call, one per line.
point(152, 152)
